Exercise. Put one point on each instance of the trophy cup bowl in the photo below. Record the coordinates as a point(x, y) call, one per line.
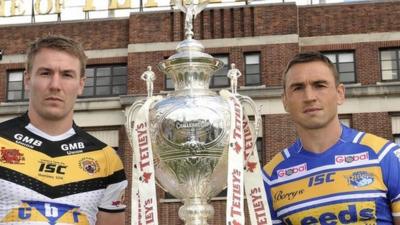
point(189, 133)
point(190, 128)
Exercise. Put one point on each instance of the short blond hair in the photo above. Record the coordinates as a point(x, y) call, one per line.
point(56, 42)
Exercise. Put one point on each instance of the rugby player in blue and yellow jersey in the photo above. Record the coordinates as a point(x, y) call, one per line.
point(332, 174)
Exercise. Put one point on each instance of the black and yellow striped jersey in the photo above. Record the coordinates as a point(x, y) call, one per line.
point(56, 182)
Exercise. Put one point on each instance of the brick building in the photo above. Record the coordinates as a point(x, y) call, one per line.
point(363, 39)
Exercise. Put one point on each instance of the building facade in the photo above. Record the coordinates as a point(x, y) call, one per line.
point(362, 39)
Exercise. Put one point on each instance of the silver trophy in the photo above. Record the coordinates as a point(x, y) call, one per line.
point(189, 128)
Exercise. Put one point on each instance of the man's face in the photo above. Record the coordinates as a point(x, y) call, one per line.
point(54, 84)
point(311, 96)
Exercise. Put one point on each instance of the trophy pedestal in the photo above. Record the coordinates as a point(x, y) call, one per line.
point(196, 211)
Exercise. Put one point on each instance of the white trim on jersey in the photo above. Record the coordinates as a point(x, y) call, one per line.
point(276, 221)
point(331, 199)
point(286, 152)
point(397, 197)
point(386, 150)
point(42, 134)
point(357, 137)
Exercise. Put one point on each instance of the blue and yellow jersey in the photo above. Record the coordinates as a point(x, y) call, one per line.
point(356, 181)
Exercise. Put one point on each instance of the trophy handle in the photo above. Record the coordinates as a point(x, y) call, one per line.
point(130, 117)
point(257, 115)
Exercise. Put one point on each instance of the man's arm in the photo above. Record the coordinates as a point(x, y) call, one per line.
point(396, 220)
point(105, 218)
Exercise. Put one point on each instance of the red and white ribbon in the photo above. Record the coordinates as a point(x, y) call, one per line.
point(251, 176)
point(144, 198)
point(254, 186)
point(234, 198)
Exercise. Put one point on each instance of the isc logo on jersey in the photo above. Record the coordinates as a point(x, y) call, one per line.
point(292, 170)
point(48, 212)
point(343, 159)
point(344, 214)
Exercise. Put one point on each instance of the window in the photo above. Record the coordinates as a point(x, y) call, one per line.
point(105, 81)
point(345, 119)
point(169, 84)
point(397, 138)
point(390, 64)
point(344, 62)
point(396, 129)
point(252, 69)
point(220, 79)
point(260, 150)
point(15, 86)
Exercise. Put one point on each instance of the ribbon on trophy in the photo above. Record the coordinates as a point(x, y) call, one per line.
point(242, 149)
point(144, 196)
point(254, 186)
point(234, 196)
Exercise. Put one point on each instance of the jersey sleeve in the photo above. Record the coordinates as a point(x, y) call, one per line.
point(113, 199)
point(267, 174)
point(391, 174)
point(275, 219)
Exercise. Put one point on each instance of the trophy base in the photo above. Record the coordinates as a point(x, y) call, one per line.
point(196, 211)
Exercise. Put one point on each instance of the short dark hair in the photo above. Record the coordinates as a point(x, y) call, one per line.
point(56, 42)
point(305, 57)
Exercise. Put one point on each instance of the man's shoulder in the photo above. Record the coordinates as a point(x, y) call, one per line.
point(12, 123)
point(275, 161)
point(87, 137)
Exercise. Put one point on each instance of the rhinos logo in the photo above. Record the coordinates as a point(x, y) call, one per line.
point(360, 179)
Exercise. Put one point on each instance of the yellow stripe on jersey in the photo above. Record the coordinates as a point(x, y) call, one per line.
point(269, 167)
point(374, 142)
point(395, 207)
point(320, 185)
point(64, 169)
point(345, 213)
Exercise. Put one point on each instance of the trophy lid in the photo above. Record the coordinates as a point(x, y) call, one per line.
point(190, 67)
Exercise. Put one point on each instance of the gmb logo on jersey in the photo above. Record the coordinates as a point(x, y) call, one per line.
point(360, 179)
point(46, 212)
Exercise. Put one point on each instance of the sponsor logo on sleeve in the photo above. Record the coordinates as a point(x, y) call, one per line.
point(292, 170)
point(120, 200)
point(343, 159)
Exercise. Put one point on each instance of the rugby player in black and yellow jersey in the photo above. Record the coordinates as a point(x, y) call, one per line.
point(51, 171)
